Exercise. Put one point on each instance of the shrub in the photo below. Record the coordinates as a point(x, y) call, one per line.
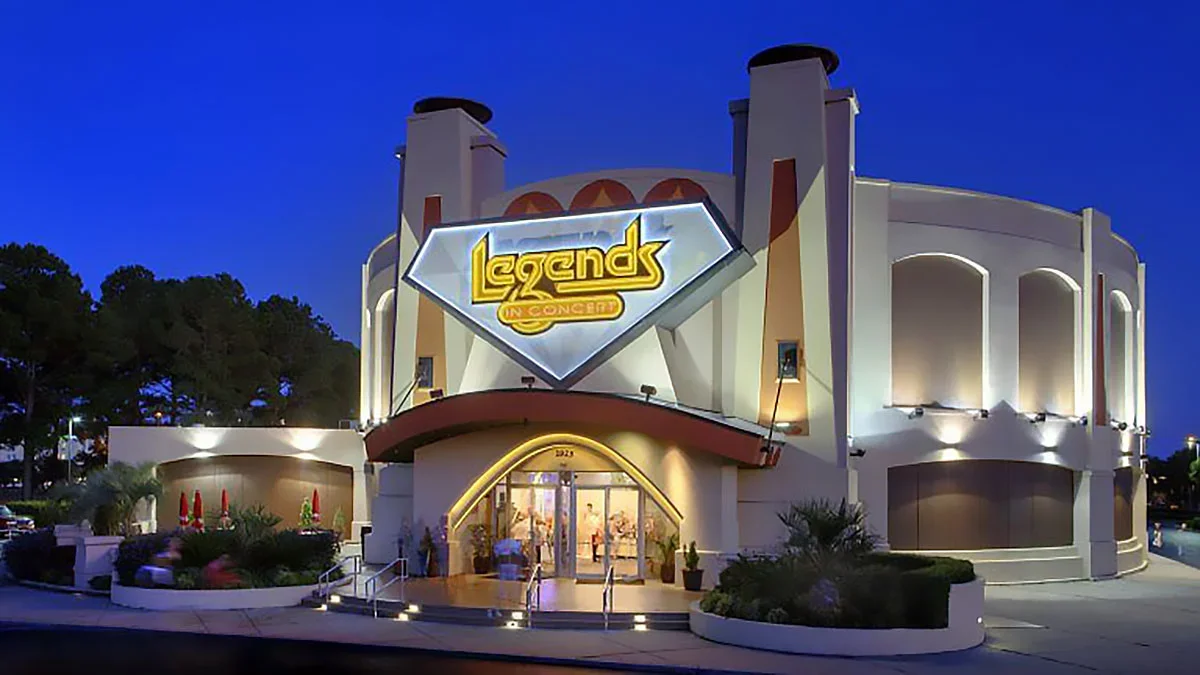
point(820, 528)
point(45, 512)
point(691, 559)
point(137, 551)
point(101, 582)
point(253, 522)
point(826, 576)
point(201, 548)
point(36, 556)
point(187, 579)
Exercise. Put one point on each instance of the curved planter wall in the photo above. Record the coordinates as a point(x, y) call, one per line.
point(965, 630)
point(250, 598)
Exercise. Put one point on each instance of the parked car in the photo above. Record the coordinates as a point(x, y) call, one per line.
point(11, 523)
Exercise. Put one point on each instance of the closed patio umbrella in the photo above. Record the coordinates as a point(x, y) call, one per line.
point(198, 512)
point(183, 510)
point(316, 504)
point(224, 509)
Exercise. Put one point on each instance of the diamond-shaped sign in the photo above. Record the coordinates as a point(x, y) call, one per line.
point(560, 294)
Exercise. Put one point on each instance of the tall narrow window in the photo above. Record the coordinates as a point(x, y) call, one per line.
point(424, 372)
point(789, 360)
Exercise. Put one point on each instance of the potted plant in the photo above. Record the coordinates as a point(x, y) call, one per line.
point(481, 548)
point(693, 576)
point(666, 556)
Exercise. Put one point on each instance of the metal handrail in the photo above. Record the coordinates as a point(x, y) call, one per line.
point(606, 594)
point(325, 581)
point(371, 585)
point(533, 587)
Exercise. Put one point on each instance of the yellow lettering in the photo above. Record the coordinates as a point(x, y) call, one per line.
point(540, 289)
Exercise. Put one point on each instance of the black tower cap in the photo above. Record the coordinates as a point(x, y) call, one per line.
point(787, 53)
point(475, 109)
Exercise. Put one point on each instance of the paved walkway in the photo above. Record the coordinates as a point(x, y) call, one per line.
point(1142, 623)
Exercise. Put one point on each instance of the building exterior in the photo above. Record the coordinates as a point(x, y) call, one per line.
point(590, 363)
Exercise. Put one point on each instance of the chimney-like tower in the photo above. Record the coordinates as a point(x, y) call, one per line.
point(452, 162)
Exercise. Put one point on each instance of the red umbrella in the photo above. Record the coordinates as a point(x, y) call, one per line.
point(183, 512)
point(197, 512)
point(224, 508)
point(316, 507)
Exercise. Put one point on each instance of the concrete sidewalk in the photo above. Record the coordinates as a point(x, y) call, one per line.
point(1144, 622)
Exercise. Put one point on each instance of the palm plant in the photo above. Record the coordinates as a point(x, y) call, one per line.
point(823, 529)
point(109, 497)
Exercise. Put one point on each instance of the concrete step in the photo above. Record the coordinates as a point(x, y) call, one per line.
point(490, 616)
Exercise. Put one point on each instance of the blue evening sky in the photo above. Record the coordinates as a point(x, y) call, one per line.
point(255, 138)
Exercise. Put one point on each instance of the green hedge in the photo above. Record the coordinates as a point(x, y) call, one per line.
point(45, 512)
point(284, 558)
point(879, 590)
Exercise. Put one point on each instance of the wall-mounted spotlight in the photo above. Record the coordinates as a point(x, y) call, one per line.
point(649, 390)
point(1035, 418)
point(1119, 426)
point(981, 414)
point(436, 393)
point(916, 412)
point(528, 381)
point(858, 452)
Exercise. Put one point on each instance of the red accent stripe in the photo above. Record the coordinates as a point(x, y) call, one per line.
point(433, 212)
point(567, 411)
point(785, 200)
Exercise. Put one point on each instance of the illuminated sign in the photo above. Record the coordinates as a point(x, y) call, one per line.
point(560, 294)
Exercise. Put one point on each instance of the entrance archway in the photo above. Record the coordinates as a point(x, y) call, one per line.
point(574, 506)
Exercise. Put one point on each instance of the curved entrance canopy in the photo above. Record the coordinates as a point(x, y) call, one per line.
point(497, 471)
point(399, 437)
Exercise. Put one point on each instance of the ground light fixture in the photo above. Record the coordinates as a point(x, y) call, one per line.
point(413, 609)
point(518, 616)
point(335, 599)
point(402, 617)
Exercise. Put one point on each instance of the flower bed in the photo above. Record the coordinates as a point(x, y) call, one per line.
point(963, 630)
point(256, 559)
point(244, 598)
point(827, 591)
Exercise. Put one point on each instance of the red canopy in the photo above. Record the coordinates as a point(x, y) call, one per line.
point(183, 510)
point(316, 504)
point(197, 512)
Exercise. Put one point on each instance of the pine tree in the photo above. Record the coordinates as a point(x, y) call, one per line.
point(306, 514)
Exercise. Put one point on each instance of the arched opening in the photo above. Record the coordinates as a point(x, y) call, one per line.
point(383, 350)
point(278, 483)
point(571, 504)
point(938, 331)
point(1120, 362)
point(1047, 316)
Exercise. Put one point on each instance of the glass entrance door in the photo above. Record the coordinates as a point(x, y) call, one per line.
point(606, 530)
point(591, 554)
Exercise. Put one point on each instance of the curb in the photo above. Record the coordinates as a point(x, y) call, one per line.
point(55, 588)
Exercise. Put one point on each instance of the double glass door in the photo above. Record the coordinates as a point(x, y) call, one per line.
point(575, 524)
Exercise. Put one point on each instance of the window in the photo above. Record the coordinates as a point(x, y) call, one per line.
point(789, 360)
point(424, 372)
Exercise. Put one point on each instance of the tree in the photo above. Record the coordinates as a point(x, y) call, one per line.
point(109, 497)
point(313, 376)
point(45, 317)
